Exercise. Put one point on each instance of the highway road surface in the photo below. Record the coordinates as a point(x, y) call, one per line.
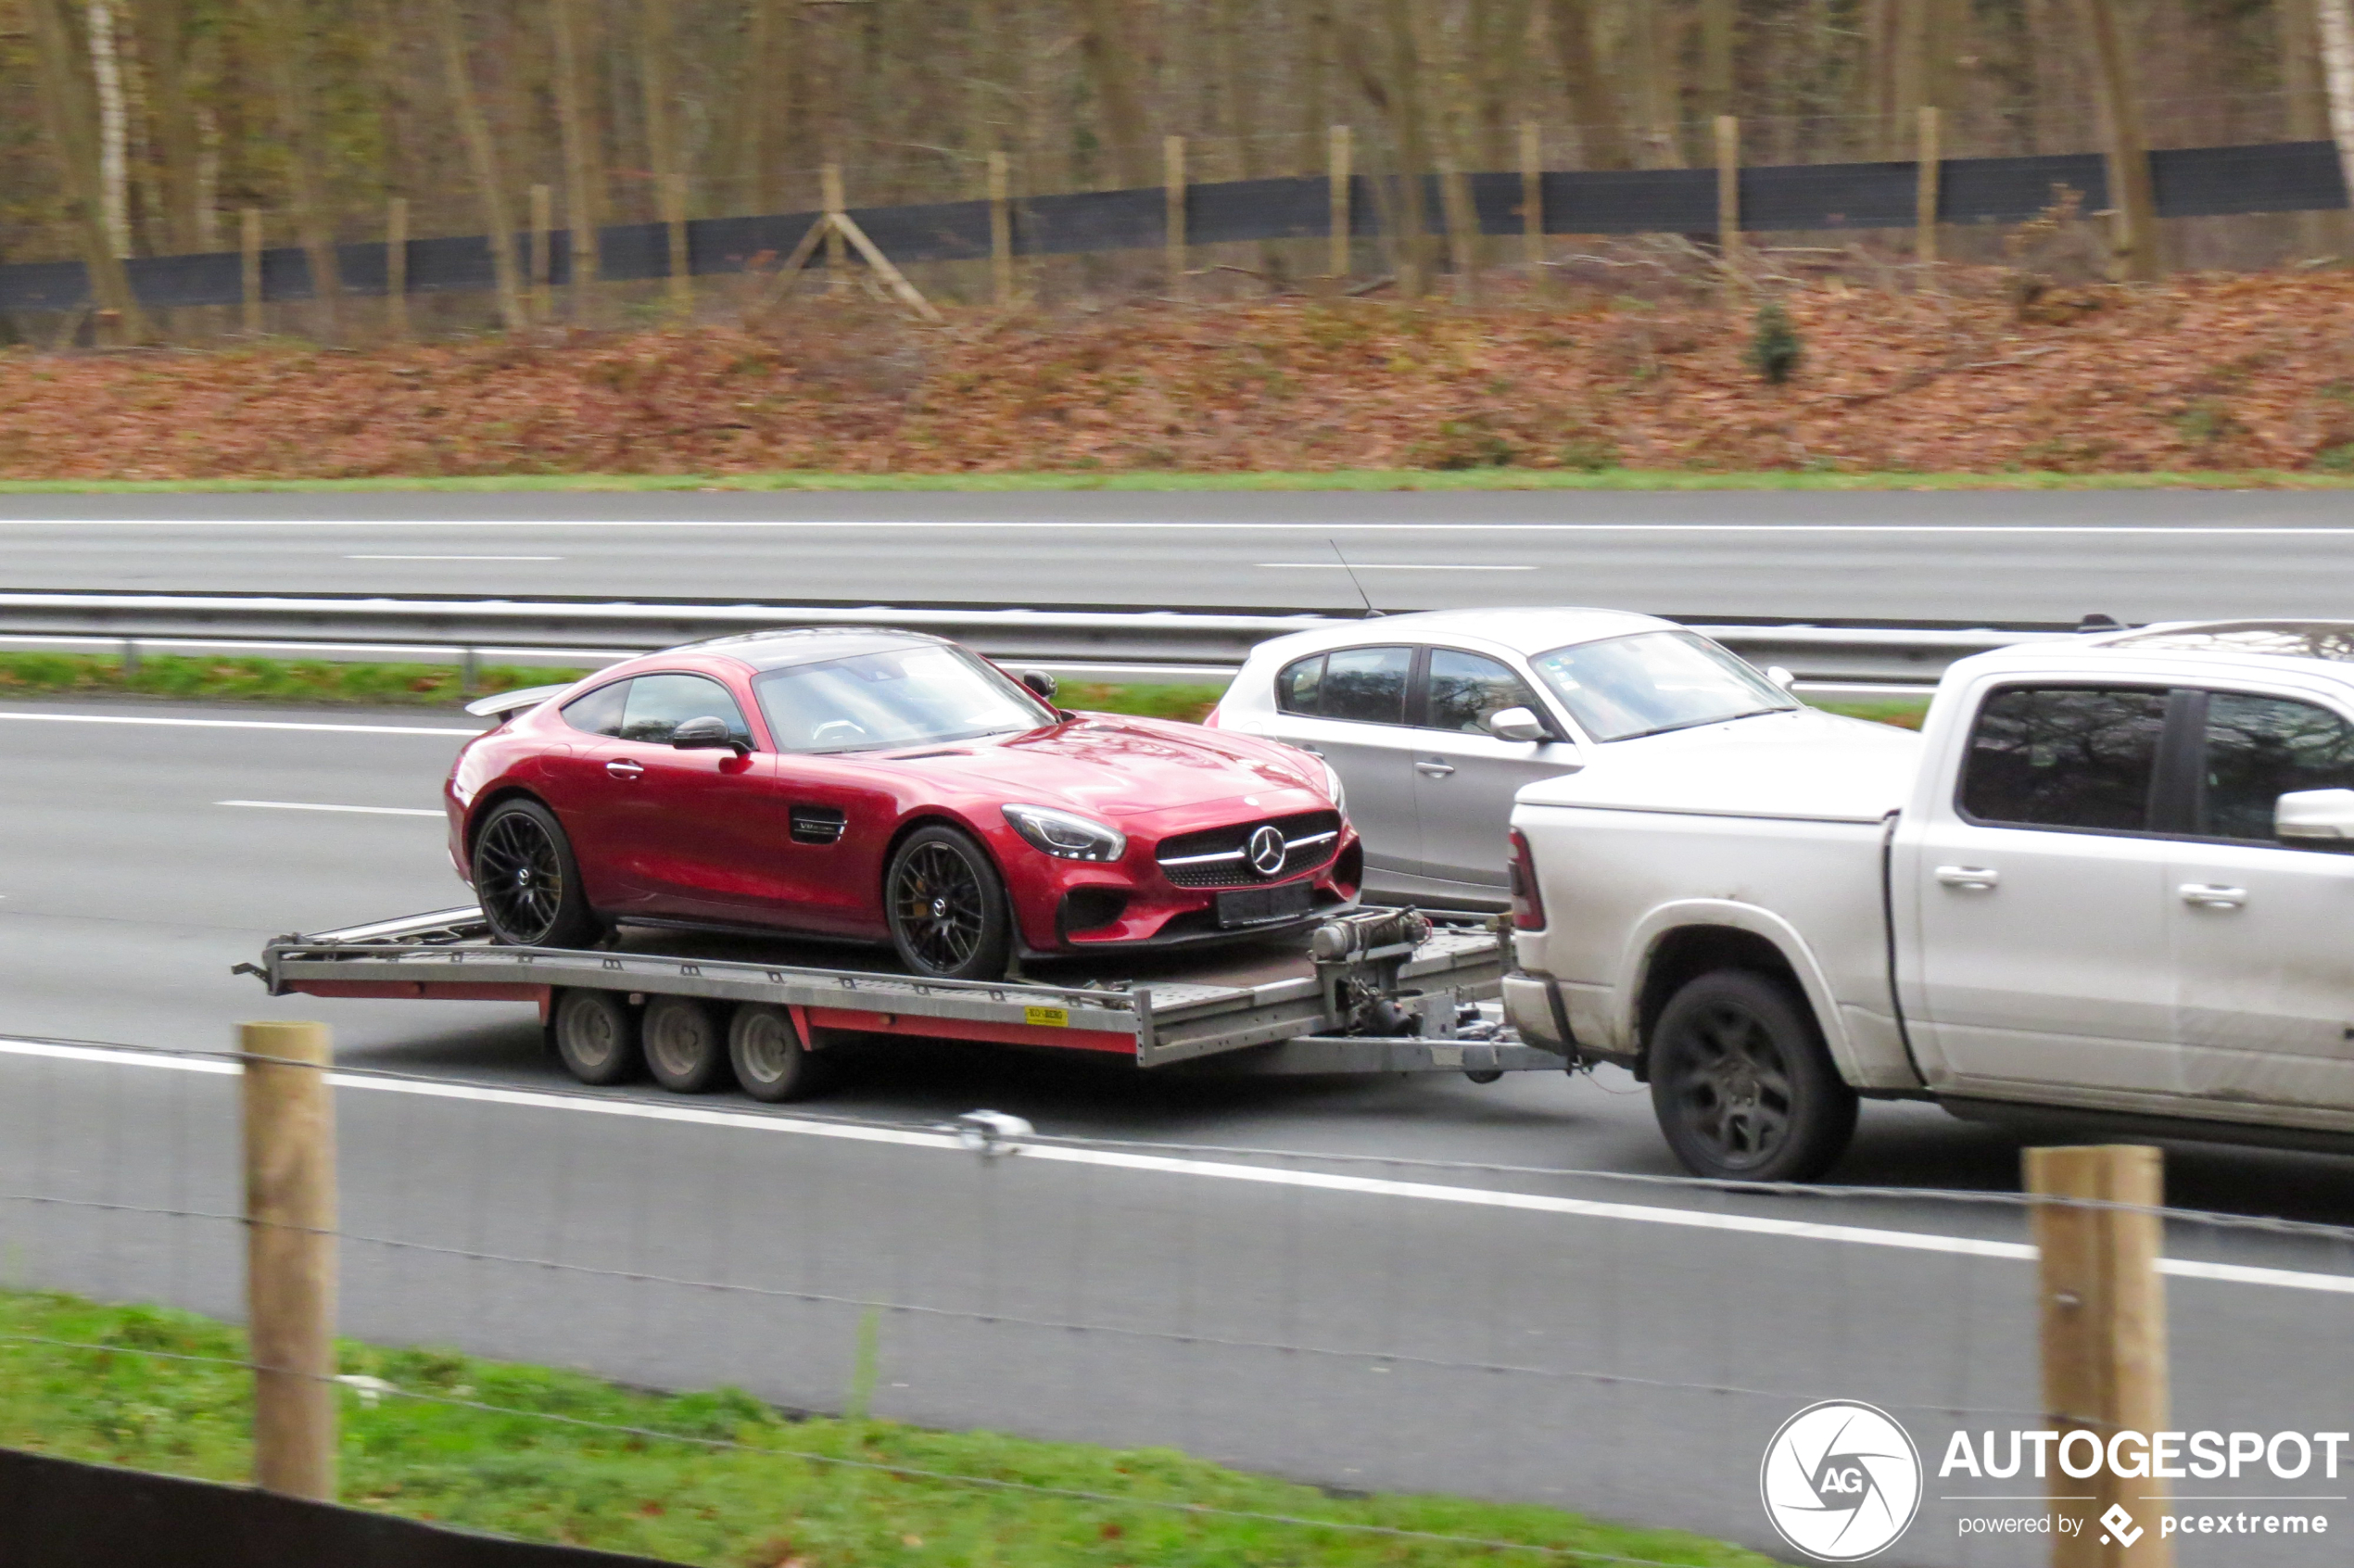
point(1334, 1310)
point(1911, 557)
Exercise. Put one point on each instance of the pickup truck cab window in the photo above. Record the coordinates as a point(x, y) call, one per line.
point(1625, 687)
point(2065, 756)
point(2259, 749)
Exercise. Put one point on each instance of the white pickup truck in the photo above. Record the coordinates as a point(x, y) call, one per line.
point(2109, 879)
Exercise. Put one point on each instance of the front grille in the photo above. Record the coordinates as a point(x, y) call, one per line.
point(1310, 835)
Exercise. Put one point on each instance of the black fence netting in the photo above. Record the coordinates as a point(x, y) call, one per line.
point(2191, 182)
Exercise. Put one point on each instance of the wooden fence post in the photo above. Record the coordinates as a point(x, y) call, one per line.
point(1001, 230)
point(1924, 194)
point(543, 223)
point(674, 217)
point(1462, 228)
point(1728, 194)
point(1338, 154)
point(290, 1255)
point(1532, 200)
point(836, 246)
point(1172, 159)
point(2104, 1338)
point(249, 269)
point(397, 268)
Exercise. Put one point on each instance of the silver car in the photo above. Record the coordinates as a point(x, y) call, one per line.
point(1434, 720)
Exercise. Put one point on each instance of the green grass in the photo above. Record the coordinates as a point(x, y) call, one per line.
point(752, 1503)
point(1338, 479)
point(1904, 712)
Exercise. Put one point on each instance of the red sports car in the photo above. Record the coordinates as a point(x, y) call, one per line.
point(885, 786)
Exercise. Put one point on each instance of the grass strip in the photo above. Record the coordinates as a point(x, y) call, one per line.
point(1155, 480)
point(720, 1478)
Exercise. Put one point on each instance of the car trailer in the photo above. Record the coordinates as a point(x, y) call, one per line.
point(1376, 991)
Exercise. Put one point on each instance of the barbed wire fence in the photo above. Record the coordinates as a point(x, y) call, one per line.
point(1620, 1346)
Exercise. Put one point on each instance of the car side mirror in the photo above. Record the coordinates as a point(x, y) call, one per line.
point(706, 732)
point(1781, 676)
point(1040, 682)
point(2315, 819)
point(1517, 724)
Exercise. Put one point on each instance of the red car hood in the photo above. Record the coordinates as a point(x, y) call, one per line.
point(1109, 765)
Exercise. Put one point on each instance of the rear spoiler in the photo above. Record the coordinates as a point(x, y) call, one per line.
point(505, 704)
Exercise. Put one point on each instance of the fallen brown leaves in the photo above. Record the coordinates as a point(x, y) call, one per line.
point(2202, 373)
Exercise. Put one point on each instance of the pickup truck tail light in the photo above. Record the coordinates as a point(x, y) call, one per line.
point(1528, 905)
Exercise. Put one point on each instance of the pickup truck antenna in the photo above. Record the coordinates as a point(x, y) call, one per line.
point(1370, 613)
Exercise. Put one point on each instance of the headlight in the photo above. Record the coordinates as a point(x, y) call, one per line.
point(1065, 836)
point(1333, 788)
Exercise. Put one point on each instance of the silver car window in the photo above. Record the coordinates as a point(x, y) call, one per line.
point(1647, 683)
point(1467, 688)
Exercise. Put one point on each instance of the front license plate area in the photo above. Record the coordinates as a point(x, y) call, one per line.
point(1256, 907)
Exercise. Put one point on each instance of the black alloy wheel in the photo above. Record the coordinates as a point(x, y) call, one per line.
point(1742, 1084)
point(947, 907)
point(527, 881)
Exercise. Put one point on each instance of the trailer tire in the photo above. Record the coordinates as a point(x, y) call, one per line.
point(1743, 1085)
point(770, 1061)
point(596, 1037)
point(947, 907)
point(520, 852)
point(686, 1049)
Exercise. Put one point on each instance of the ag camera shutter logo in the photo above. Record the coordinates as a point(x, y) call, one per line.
point(1842, 1480)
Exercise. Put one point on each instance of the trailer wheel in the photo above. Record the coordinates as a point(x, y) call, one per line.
point(528, 881)
point(1743, 1085)
point(947, 903)
point(685, 1050)
point(596, 1037)
point(771, 1062)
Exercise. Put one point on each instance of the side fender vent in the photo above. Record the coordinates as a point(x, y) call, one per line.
point(817, 825)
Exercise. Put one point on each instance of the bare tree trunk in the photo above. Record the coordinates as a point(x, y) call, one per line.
point(114, 128)
point(1601, 135)
point(289, 61)
point(2298, 25)
point(1718, 23)
point(655, 42)
point(2337, 74)
point(68, 106)
point(161, 26)
point(482, 152)
point(1413, 135)
point(1108, 49)
point(2131, 193)
point(1649, 46)
point(764, 101)
point(584, 184)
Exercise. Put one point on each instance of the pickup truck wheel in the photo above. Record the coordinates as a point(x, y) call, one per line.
point(596, 1037)
point(1742, 1084)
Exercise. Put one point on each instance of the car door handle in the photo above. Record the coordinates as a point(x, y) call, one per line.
point(1980, 876)
point(2213, 895)
point(622, 767)
point(1434, 768)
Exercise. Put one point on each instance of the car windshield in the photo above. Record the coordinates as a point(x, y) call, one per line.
point(1622, 688)
point(903, 697)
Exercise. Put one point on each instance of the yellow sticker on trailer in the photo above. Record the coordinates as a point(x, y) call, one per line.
point(1046, 1018)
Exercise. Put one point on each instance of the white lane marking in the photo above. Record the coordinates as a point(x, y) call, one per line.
point(1381, 566)
point(306, 805)
point(1318, 528)
point(453, 557)
point(235, 724)
point(1431, 1192)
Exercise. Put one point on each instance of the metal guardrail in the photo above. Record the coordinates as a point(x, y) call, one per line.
point(1170, 645)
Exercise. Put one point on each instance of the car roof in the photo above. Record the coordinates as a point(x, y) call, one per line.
point(2309, 652)
point(785, 646)
point(1524, 630)
point(2331, 641)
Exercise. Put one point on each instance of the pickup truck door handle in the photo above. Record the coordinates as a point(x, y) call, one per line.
point(1431, 767)
point(1982, 876)
point(622, 767)
point(2213, 895)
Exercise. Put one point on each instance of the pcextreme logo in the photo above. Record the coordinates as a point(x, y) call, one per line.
point(1842, 1480)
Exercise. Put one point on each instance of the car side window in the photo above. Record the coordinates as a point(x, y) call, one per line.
point(2259, 749)
point(1365, 685)
point(2065, 756)
point(1466, 688)
point(1297, 684)
point(658, 704)
point(599, 712)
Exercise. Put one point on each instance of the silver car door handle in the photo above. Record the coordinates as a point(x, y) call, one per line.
point(622, 767)
point(1981, 877)
point(2213, 895)
point(1434, 768)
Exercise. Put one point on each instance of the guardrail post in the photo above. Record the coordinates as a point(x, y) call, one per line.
point(290, 1255)
point(129, 656)
point(2104, 1343)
